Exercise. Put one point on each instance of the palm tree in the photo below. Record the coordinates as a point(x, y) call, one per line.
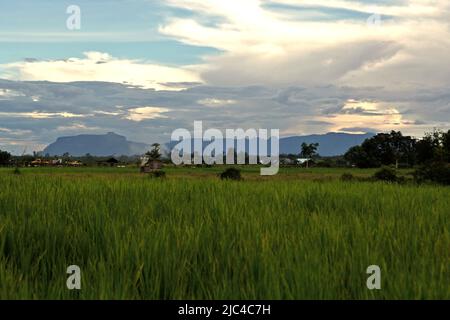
point(308, 151)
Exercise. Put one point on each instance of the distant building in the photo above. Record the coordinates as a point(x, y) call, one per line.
point(39, 163)
point(53, 163)
point(74, 163)
point(302, 160)
point(57, 162)
point(286, 161)
point(111, 162)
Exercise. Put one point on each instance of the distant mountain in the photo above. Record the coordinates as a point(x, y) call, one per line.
point(96, 145)
point(330, 144)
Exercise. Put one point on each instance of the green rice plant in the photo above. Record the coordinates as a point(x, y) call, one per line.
point(203, 238)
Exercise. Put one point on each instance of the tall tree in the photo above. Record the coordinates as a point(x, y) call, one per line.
point(155, 153)
point(5, 157)
point(309, 151)
point(425, 149)
point(403, 148)
point(358, 156)
point(434, 147)
point(384, 149)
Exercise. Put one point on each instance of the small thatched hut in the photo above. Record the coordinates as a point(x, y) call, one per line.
point(148, 166)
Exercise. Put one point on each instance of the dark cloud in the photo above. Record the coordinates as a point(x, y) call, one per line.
point(39, 112)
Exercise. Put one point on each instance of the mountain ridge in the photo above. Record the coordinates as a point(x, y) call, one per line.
point(330, 144)
point(97, 145)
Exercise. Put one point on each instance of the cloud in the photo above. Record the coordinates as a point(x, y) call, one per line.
point(366, 114)
point(304, 69)
point(12, 132)
point(146, 113)
point(263, 46)
point(6, 94)
point(411, 8)
point(216, 103)
point(77, 127)
point(151, 116)
point(40, 115)
point(98, 66)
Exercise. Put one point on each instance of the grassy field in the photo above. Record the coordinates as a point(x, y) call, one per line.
point(303, 234)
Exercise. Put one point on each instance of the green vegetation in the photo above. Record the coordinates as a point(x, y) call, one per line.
point(5, 157)
point(158, 174)
point(231, 174)
point(387, 174)
point(394, 148)
point(300, 235)
point(437, 172)
point(155, 153)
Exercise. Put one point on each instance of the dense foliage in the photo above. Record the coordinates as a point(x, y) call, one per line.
point(231, 174)
point(386, 174)
point(382, 150)
point(394, 148)
point(5, 157)
point(437, 172)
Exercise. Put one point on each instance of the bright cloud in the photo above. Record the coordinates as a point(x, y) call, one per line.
point(366, 114)
point(98, 66)
point(263, 46)
point(216, 103)
point(41, 115)
point(146, 113)
point(76, 127)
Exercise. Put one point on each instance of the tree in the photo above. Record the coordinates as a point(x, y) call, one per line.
point(309, 151)
point(357, 155)
point(403, 148)
point(425, 149)
point(5, 157)
point(446, 145)
point(155, 153)
point(384, 149)
point(437, 172)
point(434, 147)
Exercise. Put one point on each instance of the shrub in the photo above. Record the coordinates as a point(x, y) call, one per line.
point(16, 171)
point(231, 174)
point(386, 174)
point(158, 174)
point(347, 177)
point(435, 172)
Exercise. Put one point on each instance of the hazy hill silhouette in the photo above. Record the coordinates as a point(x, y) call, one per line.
point(331, 144)
point(96, 145)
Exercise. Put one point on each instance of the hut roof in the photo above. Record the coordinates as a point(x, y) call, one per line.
point(112, 160)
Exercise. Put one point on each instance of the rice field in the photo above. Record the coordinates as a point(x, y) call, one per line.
point(192, 236)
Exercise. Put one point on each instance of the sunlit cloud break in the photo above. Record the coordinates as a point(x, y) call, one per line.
point(99, 66)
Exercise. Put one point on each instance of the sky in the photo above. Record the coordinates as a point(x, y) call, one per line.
point(143, 68)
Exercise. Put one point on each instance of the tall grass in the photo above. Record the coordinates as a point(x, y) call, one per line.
point(139, 238)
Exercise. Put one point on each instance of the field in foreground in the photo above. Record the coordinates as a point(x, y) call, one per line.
point(198, 237)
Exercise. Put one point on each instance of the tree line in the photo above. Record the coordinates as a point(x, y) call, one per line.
point(394, 148)
point(384, 149)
